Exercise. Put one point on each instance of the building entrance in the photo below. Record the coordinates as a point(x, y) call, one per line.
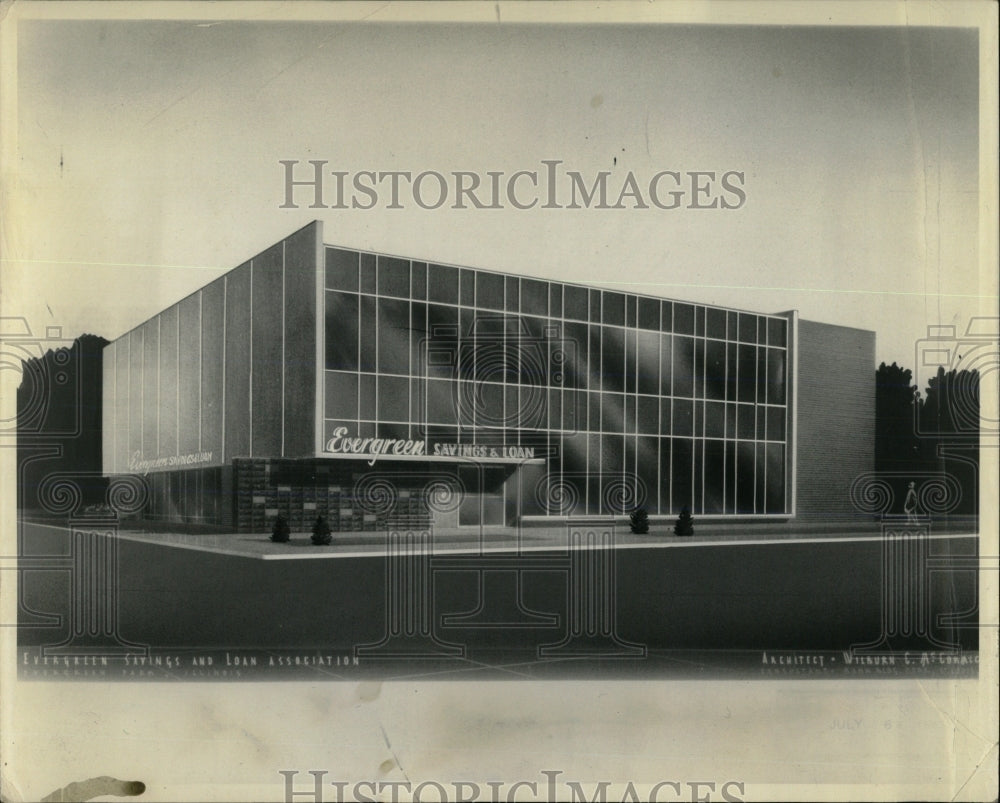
point(482, 501)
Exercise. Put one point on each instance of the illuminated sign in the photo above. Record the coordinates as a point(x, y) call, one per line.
point(475, 450)
point(137, 465)
point(373, 447)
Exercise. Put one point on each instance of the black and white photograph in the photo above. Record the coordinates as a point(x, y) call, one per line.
point(499, 401)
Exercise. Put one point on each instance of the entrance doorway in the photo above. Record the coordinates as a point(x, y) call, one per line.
point(482, 503)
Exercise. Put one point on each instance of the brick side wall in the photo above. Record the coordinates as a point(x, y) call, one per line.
point(836, 418)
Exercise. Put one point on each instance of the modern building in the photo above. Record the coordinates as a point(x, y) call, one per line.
point(383, 391)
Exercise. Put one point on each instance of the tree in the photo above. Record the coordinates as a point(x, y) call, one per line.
point(896, 398)
point(321, 532)
point(685, 522)
point(951, 405)
point(949, 431)
point(280, 532)
point(639, 521)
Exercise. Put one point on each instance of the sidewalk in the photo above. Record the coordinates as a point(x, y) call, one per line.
point(511, 540)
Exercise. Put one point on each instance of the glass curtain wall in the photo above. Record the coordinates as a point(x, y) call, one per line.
point(634, 401)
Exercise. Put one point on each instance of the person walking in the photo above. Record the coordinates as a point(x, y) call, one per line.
point(910, 505)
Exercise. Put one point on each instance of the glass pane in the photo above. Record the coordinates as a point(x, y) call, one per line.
point(577, 347)
point(630, 362)
point(746, 427)
point(699, 368)
point(393, 399)
point(575, 302)
point(489, 290)
point(612, 359)
point(666, 365)
point(715, 369)
point(649, 313)
point(534, 297)
point(555, 300)
point(732, 386)
point(647, 471)
point(748, 328)
point(681, 479)
point(761, 374)
point(341, 331)
point(775, 478)
point(647, 415)
point(775, 376)
point(683, 417)
point(648, 362)
point(666, 316)
point(467, 294)
point(714, 476)
point(745, 478)
point(595, 306)
point(442, 341)
point(594, 412)
point(760, 486)
point(341, 269)
point(393, 277)
point(716, 323)
point(341, 395)
point(393, 336)
point(613, 310)
point(776, 331)
point(442, 284)
point(775, 423)
point(665, 482)
point(418, 280)
point(441, 402)
point(594, 372)
point(666, 416)
point(684, 319)
point(594, 476)
point(367, 273)
point(747, 378)
point(612, 412)
point(715, 420)
point(512, 294)
point(729, 481)
point(367, 397)
point(612, 469)
point(683, 366)
point(367, 338)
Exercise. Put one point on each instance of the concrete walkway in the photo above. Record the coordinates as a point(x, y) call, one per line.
point(514, 541)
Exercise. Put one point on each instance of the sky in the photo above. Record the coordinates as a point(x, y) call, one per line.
point(147, 155)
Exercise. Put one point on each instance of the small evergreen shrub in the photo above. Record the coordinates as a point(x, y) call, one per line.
point(321, 532)
point(639, 521)
point(280, 533)
point(685, 523)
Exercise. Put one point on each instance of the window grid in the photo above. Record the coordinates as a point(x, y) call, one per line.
point(755, 397)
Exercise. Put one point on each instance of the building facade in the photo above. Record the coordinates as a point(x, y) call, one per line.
point(383, 391)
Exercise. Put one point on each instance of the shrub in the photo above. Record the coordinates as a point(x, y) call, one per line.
point(685, 524)
point(280, 532)
point(639, 521)
point(321, 532)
